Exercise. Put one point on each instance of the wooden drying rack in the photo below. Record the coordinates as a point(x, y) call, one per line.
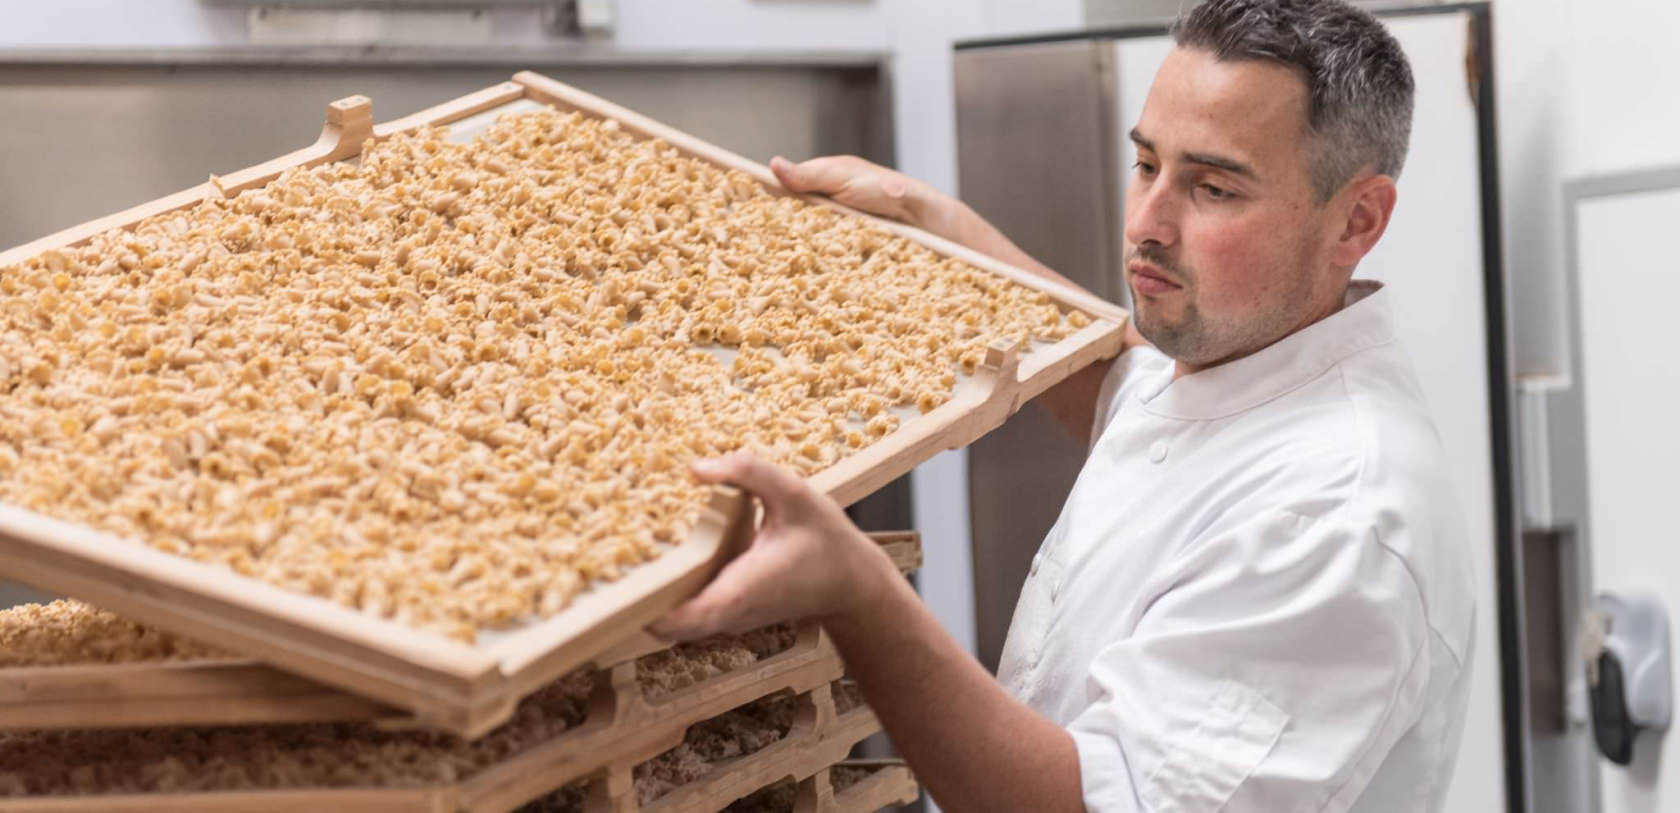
point(465, 688)
point(624, 727)
point(241, 691)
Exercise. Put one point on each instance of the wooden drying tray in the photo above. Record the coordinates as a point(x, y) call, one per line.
point(465, 688)
point(820, 737)
point(623, 728)
point(889, 783)
point(241, 691)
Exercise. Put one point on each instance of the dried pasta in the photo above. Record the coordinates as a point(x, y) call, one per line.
point(456, 384)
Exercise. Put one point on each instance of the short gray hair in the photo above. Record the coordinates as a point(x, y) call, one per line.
point(1359, 85)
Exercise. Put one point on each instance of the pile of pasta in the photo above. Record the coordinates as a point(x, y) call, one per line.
point(70, 633)
point(456, 384)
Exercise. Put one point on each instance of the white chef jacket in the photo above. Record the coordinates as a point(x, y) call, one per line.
point(1258, 595)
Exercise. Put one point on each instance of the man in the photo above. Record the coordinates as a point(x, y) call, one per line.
point(1257, 597)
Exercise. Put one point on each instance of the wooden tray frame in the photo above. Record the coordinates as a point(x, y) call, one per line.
point(448, 684)
point(821, 736)
point(892, 783)
point(243, 691)
point(806, 756)
point(623, 728)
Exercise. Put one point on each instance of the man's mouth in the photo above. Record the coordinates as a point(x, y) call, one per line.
point(1148, 280)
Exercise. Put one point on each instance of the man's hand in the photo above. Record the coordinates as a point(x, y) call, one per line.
point(880, 191)
point(973, 746)
point(867, 187)
point(807, 561)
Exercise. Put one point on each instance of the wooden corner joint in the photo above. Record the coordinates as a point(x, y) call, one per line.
point(617, 692)
point(813, 717)
point(618, 793)
point(349, 122)
point(815, 794)
point(348, 109)
point(1001, 355)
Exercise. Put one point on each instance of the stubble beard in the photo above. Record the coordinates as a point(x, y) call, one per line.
point(1194, 340)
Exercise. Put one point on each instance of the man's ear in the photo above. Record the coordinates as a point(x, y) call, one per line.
point(1368, 204)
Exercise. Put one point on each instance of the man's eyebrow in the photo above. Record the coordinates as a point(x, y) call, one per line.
point(1138, 139)
point(1220, 162)
point(1206, 159)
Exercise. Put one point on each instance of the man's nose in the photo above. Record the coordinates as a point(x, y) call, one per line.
point(1151, 214)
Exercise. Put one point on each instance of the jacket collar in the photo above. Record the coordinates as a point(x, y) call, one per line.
point(1237, 386)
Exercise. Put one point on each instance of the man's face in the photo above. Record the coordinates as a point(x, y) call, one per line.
point(1225, 237)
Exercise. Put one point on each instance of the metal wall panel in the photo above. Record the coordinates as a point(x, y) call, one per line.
point(81, 142)
point(1036, 157)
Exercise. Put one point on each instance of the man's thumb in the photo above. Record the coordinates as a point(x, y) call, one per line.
point(789, 174)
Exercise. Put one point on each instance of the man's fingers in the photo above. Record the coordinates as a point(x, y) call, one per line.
point(728, 604)
point(788, 173)
point(827, 175)
point(800, 177)
point(779, 488)
point(690, 622)
point(848, 179)
point(894, 186)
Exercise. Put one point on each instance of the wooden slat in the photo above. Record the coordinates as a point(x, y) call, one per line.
point(892, 784)
point(83, 232)
point(453, 110)
point(423, 800)
point(244, 691)
point(188, 693)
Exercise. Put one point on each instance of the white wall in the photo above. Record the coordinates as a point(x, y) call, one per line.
point(1585, 89)
point(1630, 404)
point(1618, 110)
point(1529, 71)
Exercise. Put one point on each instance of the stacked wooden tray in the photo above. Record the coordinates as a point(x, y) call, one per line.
point(633, 716)
point(240, 690)
point(622, 728)
point(311, 659)
point(844, 787)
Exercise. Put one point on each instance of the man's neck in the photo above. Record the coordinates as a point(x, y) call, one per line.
point(1182, 368)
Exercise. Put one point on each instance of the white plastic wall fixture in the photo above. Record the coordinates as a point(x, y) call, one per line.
point(1638, 636)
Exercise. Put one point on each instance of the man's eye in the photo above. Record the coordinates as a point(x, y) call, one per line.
point(1217, 193)
point(1144, 168)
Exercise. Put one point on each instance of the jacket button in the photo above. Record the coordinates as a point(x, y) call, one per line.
point(1157, 451)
